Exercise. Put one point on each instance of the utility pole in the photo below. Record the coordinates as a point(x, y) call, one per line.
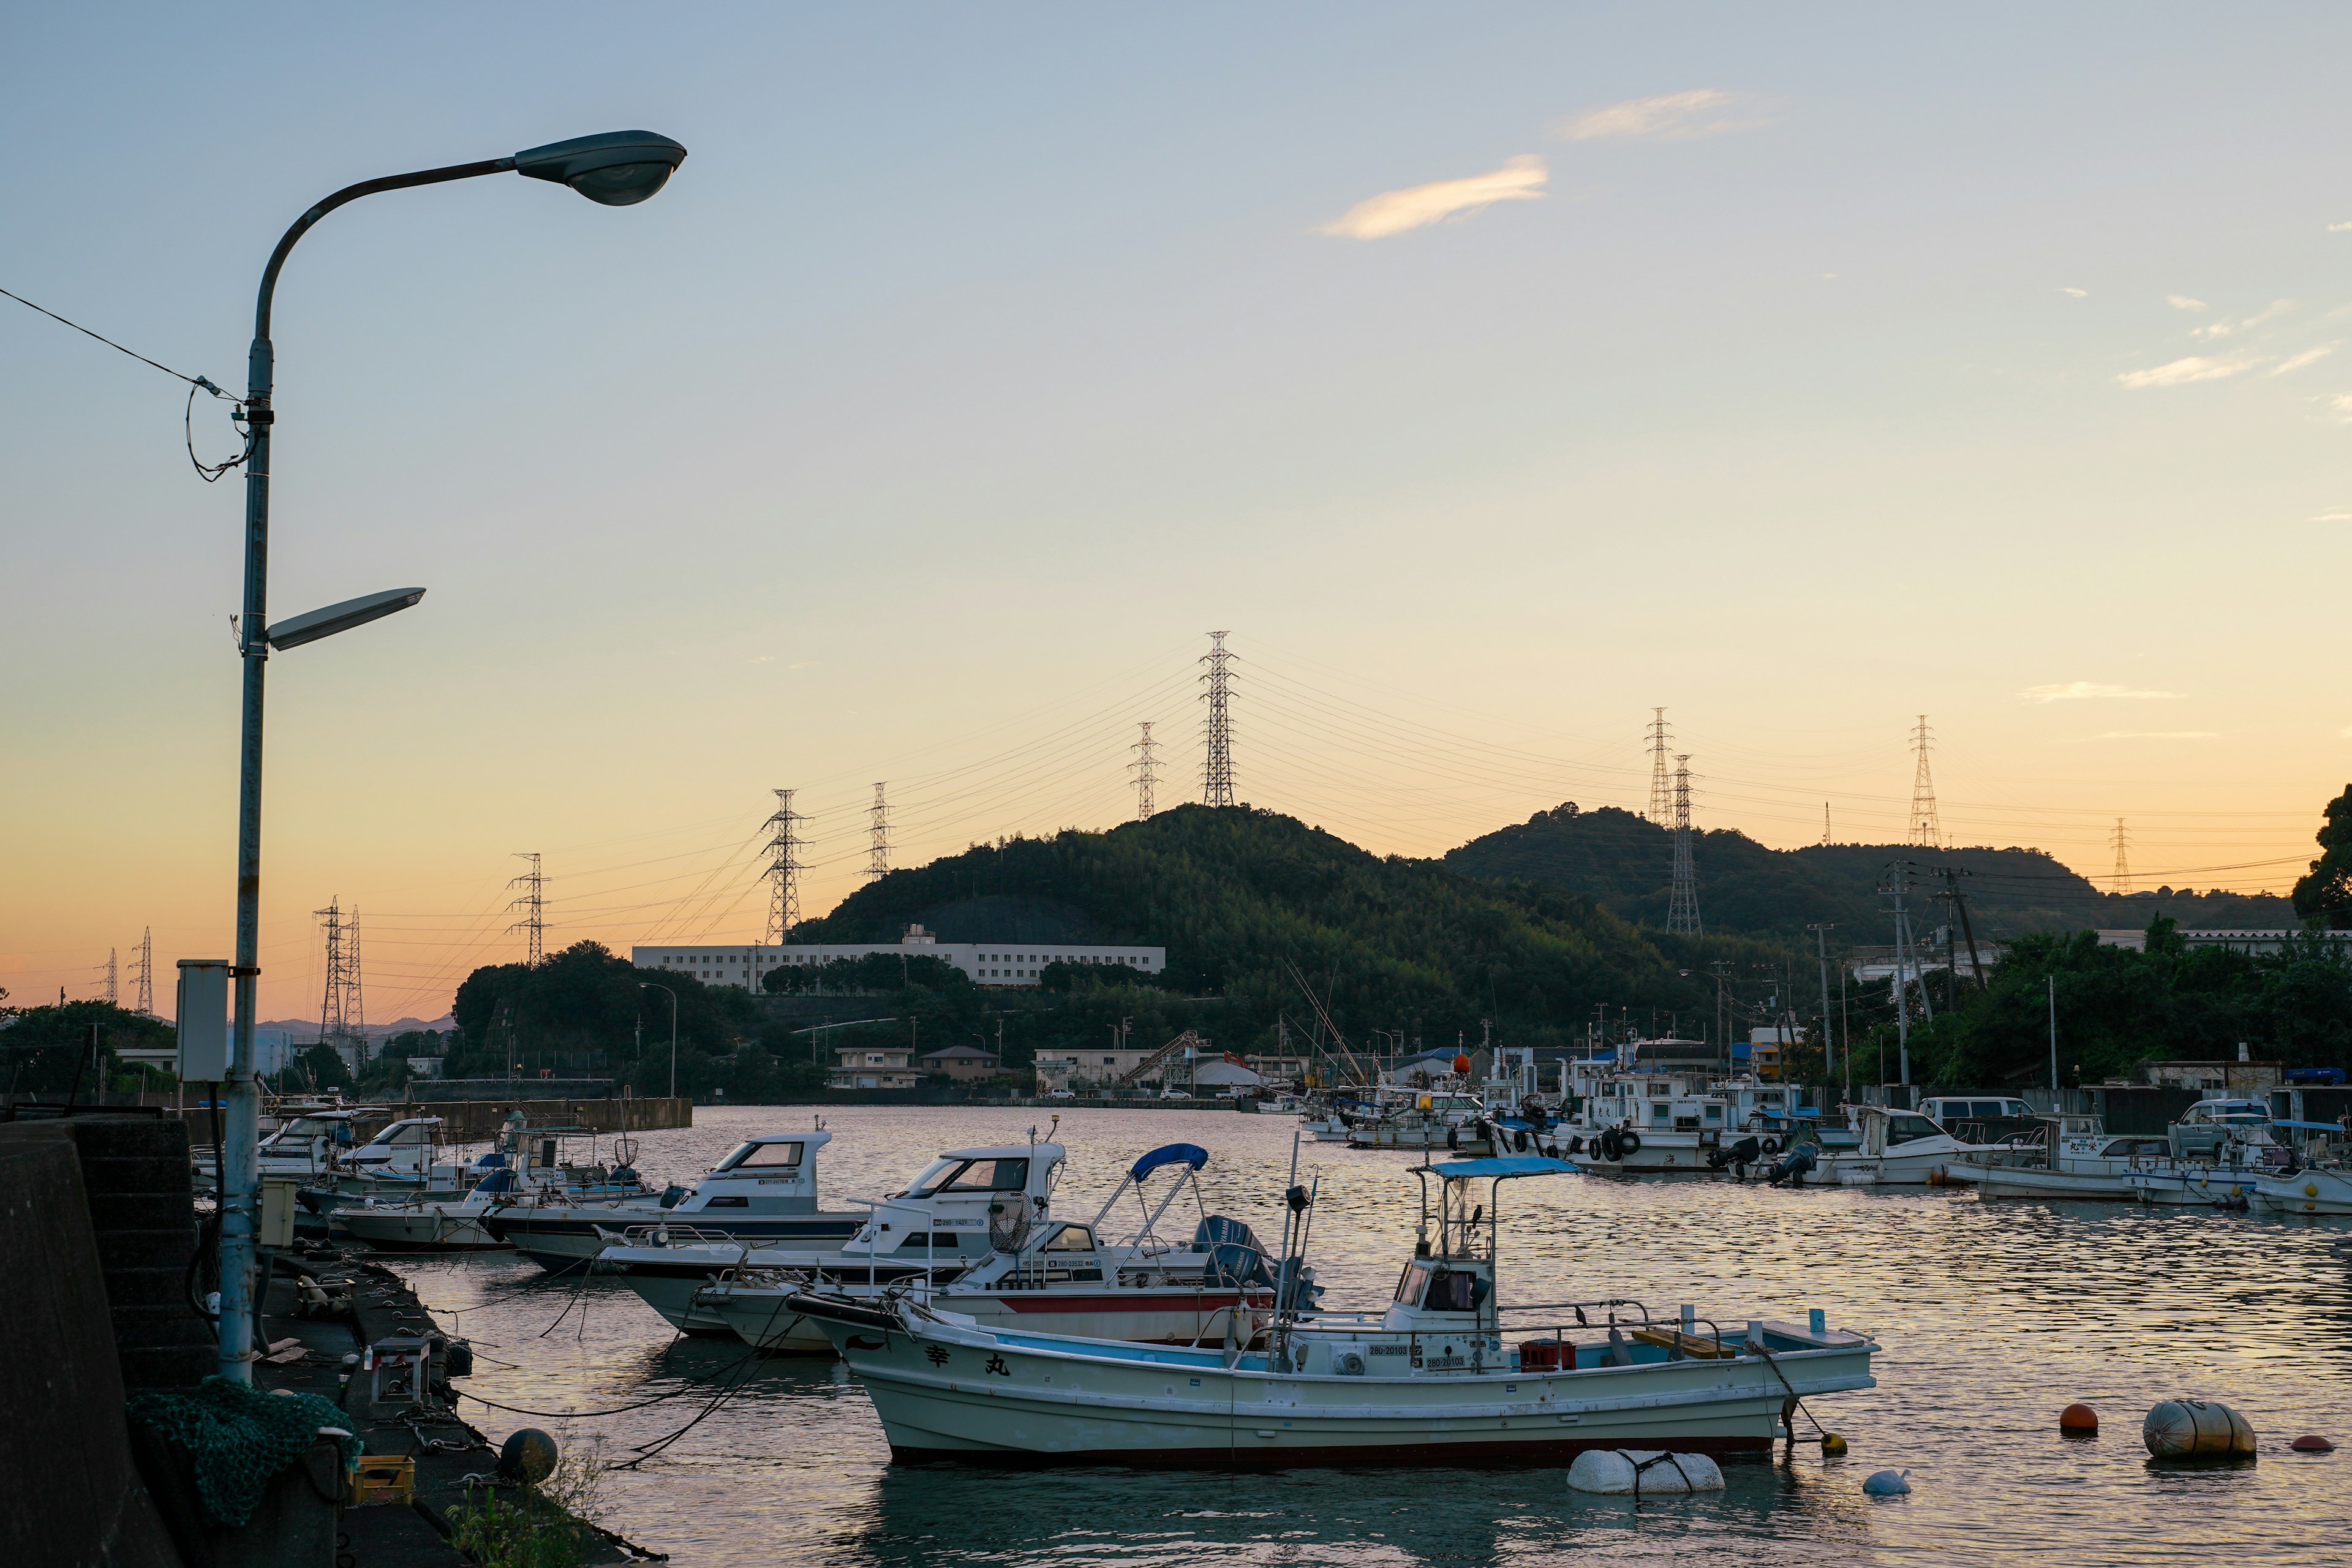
point(533, 907)
point(1960, 907)
point(2053, 1038)
point(1723, 1007)
point(1145, 768)
point(1662, 794)
point(144, 980)
point(1217, 770)
point(1902, 959)
point(1925, 830)
point(878, 860)
point(1821, 946)
point(1681, 902)
point(783, 872)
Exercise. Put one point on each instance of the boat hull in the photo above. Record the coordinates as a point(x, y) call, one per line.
point(2032, 1182)
point(416, 1230)
point(2194, 1188)
point(966, 1395)
point(1166, 1317)
point(567, 1238)
point(2307, 1192)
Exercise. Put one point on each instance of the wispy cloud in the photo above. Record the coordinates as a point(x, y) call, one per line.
point(2075, 690)
point(2154, 735)
point(2270, 312)
point(2074, 293)
point(2181, 372)
point(1674, 117)
point(2309, 356)
point(2183, 302)
point(2339, 228)
point(2331, 517)
point(1520, 179)
point(2340, 406)
point(764, 658)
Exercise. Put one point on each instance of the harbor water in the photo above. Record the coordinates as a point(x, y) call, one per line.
point(1993, 1316)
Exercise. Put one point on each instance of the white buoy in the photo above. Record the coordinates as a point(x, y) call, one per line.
point(1617, 1472)
point(1888, 1483)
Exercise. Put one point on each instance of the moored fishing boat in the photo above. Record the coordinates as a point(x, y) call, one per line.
point(1434, 1377)
point(1062, 1278)
point(965, 1205)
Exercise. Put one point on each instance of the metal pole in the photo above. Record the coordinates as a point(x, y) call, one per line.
point(2054, 1106)
point(1821, 941)
point(240, 1158)
point(1902, 1010)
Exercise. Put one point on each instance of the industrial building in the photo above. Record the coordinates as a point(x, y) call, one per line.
point(1006, 963)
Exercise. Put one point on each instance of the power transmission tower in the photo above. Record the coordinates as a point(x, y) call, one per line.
point(1662, 793)
point(1925, 829)
point(2123, 865)
point(532, 904)
point(338, 1009)
point(783, 871)
point(1217, 771)
point(878, 863)
point(1145, 768)
point(1682, 905)
point(110, 977)
point(144, 980)
point(1825, 824)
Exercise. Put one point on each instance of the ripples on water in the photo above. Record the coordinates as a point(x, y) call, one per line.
point(1992, 1316)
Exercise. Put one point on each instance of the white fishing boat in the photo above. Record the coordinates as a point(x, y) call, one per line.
point(1063, 1278)
point(2221, 1149)
point(964, 1206)
point(1436, 1377)
point(1633, 1120)
point(2075, 1159)
point(1901, 1149)
point(765, 1192)
point(2314, 1190)
point(502, 1177)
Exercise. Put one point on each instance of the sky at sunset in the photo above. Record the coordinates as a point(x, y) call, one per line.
point(1493, 374)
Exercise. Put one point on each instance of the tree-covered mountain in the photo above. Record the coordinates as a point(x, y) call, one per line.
point(1238, 895)
point(1622, 863)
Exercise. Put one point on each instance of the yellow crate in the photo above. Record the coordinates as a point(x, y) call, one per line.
point(383, 1477)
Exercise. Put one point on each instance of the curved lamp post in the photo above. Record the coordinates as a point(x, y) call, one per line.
point(655, 985)
point(618, 168)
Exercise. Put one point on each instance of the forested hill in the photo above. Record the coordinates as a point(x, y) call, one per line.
point(1233, 894)
point(1623, 863)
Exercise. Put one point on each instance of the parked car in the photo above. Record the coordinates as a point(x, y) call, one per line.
point(1060, 1094)
point(1175, 1094)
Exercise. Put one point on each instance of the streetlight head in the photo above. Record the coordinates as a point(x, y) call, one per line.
point(617, 169)
point(339, 618)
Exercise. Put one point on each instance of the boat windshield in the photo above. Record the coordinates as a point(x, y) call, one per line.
point(759, 1156)
point(1902, 1127)
point(304, 1128)
point(987, 1176)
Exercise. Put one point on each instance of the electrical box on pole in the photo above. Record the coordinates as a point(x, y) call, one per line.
point(203, 1013)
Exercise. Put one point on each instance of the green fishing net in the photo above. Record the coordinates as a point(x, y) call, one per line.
point(240, 1437)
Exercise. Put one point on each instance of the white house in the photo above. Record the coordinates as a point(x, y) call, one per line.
point(1001, 963)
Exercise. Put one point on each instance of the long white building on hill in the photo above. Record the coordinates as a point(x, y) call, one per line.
point(984, 963)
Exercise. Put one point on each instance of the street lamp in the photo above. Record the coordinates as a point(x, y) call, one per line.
point(616, 170)
point(656, 985)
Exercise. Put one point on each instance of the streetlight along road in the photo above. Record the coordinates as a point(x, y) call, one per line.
point(618, 170)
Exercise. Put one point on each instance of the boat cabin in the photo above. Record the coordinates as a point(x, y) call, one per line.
point(774, 1175)
point(970, 1202)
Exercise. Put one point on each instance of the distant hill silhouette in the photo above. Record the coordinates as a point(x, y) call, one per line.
point(1622, 863)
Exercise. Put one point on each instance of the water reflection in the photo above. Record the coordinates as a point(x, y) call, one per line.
point(1993, 1316)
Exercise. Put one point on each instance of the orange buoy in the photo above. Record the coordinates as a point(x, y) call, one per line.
point(2310, 1444)
point(2078, 1419)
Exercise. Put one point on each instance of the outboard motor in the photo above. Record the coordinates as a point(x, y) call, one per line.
point(1740, 1156)
point(1791, 1168)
